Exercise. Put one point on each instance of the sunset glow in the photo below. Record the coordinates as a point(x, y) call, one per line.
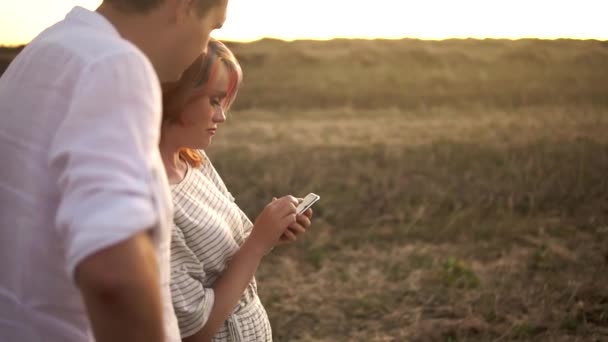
point(21, 20)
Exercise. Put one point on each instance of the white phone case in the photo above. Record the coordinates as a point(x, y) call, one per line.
point(308, 201)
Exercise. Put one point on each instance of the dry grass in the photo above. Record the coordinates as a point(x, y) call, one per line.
point(417, 74)
point(464, 187)
point(461, 226)
point(463, 184)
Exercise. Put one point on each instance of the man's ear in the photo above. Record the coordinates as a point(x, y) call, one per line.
point(183, 8)
point(171, 9)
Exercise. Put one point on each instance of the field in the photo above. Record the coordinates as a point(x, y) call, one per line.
point(463, 183)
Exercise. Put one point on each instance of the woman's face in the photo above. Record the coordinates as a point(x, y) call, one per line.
point(203, 114)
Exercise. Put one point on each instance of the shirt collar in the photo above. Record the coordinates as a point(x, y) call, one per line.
point(90, 18)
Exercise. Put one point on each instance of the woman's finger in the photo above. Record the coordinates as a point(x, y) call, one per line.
point(296, 228)
point(289, 236)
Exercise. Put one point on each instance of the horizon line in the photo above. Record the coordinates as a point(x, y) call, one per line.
point(320, 39)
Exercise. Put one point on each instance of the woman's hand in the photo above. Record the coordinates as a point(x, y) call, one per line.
point(272, 223)
point(299, 227)
point(268, 227)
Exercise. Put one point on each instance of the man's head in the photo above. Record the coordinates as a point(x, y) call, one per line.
point(172, 33)
point(134, 6)
point(194, 26)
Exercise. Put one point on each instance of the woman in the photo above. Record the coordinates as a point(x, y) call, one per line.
point(215, 249)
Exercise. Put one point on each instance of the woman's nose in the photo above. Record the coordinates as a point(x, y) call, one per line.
point(219, 115)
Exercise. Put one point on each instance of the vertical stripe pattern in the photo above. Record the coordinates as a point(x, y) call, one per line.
point(208, 229)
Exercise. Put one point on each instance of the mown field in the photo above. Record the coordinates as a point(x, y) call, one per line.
point(464, 186)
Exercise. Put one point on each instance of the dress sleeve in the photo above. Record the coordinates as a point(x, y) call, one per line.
point(192, 302)
point(247, 224)
point(219, 182)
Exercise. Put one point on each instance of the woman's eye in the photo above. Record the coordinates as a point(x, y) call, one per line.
point(215, 102)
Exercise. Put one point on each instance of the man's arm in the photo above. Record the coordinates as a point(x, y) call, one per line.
point(120, 288)
point(104, 157)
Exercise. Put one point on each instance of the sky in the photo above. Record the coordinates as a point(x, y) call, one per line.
point(21, 20)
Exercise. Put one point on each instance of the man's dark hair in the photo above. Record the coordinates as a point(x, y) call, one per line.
point(142, 6)
point(138, 6)
point(203, 6)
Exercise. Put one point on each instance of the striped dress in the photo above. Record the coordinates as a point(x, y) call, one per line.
point(208, 229)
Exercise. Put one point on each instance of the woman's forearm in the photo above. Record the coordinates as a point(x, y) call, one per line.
point(230, 287)
point(267, 229)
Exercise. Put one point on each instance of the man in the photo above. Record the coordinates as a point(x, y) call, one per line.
point(84, 204)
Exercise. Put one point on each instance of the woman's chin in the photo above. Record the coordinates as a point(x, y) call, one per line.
point(204, 144)
point(200, 145)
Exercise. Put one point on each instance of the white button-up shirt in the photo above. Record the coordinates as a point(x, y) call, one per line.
point(80, 113)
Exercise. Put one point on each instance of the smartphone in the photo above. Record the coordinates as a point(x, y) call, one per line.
point(308, 201)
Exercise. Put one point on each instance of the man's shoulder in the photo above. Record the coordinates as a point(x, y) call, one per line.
point(87, 44)
point(80, 46)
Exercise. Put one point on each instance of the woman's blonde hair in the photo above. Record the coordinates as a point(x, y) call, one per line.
point(196, 81)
